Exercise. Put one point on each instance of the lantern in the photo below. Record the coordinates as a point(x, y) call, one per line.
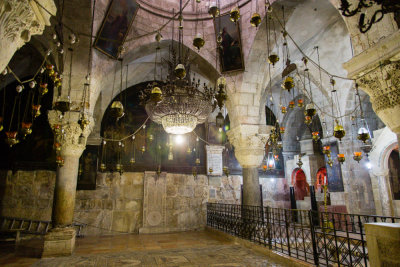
point(339, 131)
point(357, 156)
point(255, 20)
point(288, 83)
point(363, 135)
point(341, 158)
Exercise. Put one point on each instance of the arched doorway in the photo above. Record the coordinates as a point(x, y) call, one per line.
point(394, 173)
point(299, 181)
point(321, 179)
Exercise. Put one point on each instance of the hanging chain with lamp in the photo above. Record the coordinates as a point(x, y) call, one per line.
point(185, 102)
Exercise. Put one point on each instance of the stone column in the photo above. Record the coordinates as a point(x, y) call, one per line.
point(377, 71)
point(249, 142)
point(19, 20)
point(60, 240)
point(385, 199)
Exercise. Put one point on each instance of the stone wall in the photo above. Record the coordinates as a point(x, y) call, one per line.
point(117, 204)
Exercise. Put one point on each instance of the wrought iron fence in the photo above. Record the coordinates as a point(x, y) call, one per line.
point(320, 238)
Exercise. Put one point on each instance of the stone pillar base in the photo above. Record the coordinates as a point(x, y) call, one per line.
point(59, 242)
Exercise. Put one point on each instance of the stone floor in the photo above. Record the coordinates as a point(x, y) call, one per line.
point(177, 249)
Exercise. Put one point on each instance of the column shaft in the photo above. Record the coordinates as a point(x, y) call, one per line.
point(65, 191)
point(251, 187)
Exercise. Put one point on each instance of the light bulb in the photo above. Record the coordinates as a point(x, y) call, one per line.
point(179, 139)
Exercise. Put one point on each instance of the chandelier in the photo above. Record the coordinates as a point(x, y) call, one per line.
point(180, 102)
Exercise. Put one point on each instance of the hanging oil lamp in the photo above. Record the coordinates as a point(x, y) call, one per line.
point(132, 160)
point(36, 110)
point(57, 146)
point(276, 157)
point(282, 130)
point(310, 110)
point(357, 156)
point(26, 128)
point(102, 167)
point(283, 110)
point(198, 41)
point(80, 169)
point(59, 161)
point(299, 163)
point(143, 149)
point(180, 71)
point(189, 150)
point(197, 161)
point(234, 14)
point(213, 10)
point(326, 150)
point(300, 103)
point(291, 104)
point(341, 158)
point(117, 109)
point(19, 88)
point(226, 171)
point(11, 138)
point(83, 122)
point(50, 69)
point(57, 129)
point(62, 105)
point(265, 167)
point(219, 120)
point(273, 59)
point(338, 131)
point(279, 144)
point(210, 170)
point(255, 20)
point(315, 136)
point(43, 88)
point(151, 137)
point(1, 124)
point(307, 120)
point(363, 134)
point(194, 172)
point(288, 83)
point(32, 84)
point(158, 37)
point(57, 81)
point(118, 167)
point(156, 94)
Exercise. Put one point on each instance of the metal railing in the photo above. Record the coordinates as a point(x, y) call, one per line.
point(320, 238)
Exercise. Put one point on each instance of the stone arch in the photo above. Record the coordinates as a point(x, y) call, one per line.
point(383, 144)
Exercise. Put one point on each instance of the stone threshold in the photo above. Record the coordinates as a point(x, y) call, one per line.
point(280, 257)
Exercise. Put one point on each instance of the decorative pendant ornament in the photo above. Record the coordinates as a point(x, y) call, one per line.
point(341, 158)
point(234, 14)
point(315, 136)
point(117, 109)
point(198, 41)
point(213, 11)
point(300, 103)
point(288, 83)
point(329, 162)
point(180, 71)
point(339, 131)
point(291, 104)
point(19, 88)
point(11, 139)
point(32, 84)
point(255, 20)
point(363, 135)
point(43, 89)
point(357, 156)
point(36, 110)
point(273, 59)
point(26, 128)
point(310, 110)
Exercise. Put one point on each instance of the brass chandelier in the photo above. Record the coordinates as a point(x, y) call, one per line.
point(180, 102)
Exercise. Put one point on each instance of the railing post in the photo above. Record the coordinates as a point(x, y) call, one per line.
point(313, 239)
point(287, 231)
point(269, 228)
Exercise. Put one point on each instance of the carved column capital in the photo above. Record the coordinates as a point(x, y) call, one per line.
point(73, 138)
point(19, 20)
point(383, 86)
point(249, 142)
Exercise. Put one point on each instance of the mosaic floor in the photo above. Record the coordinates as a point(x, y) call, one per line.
point(178, 249)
